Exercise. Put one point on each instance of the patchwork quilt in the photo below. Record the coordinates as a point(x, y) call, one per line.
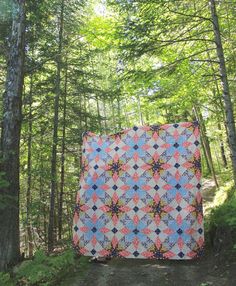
point(140, 194)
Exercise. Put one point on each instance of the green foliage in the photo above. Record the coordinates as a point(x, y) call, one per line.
point(5, 279)
point(5, 18)
point(224, 215)
point(43, 269)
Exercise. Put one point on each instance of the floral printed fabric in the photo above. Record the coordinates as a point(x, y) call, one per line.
point(139, 194)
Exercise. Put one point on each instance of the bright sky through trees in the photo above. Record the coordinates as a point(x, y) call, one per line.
point(100, 8)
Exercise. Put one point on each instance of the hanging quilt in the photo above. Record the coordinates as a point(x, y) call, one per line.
point(140, 194)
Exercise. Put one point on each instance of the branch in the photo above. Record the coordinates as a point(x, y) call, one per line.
point(208, 61)
point(190, 15)
point(188, 57)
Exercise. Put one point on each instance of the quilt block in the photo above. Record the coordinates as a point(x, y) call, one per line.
point(140, 193)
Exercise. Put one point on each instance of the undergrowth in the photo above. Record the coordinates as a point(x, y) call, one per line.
point(223, 214)
point(43, 270)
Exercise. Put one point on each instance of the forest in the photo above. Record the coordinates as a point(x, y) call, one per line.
point(69, 66)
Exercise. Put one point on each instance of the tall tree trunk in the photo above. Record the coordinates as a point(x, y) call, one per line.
point(206, 144)
point(60, 208)
point(51, 225)
point(11, 129)
point(126, 113)
point(29, 177)
point(85, 113)
point(225, 85)
point(222, 148)
point(217, 95)
point(119, 110)
point(99, 114)
point(42, 195)
point(112, 107)
point(140, 111)
point(105, 115)
point(206, 159)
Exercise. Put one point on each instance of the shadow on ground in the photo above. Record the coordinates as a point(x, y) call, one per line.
point(208, 270)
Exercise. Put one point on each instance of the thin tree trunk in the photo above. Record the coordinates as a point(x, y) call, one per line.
point(206, 158)
point(80, 117)
point(126, 114)
point(69, 224)
point(85, 114)
point(216, 156)
point(139, 111)
point(217, 94)
point(222, 148)
point(62, 159)
point(114, 127)
point(206, 144)
point(119, 110)
point(225, 85)
point(99, 115)
point(105, 115)
point(51, 226)
point(29, 177)
point(11, 130)
point(147, 117)
point(43, 210)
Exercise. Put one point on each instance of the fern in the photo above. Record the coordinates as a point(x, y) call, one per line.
point(44, 270)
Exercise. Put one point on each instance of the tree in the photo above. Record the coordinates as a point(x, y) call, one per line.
point(225, 86)
point(11, 130)
point(51, 226)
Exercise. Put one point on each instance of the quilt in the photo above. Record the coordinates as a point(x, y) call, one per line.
point(139, 193)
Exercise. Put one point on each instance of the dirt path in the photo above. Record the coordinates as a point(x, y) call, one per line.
point(135, 272)
point(209, 270)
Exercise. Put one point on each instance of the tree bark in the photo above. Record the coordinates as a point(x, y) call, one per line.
point(119, 109)
point(113, 116)
point(60, 208)
point(206, 144)
point(51, 225)
point(43, 209)
point(206, 159)
point(11, 130)
point(225, 86)
point(85, 113)
point(99, 114)
point(222, 148)
point(140, 111)
point(105, 115)
point(29, 176)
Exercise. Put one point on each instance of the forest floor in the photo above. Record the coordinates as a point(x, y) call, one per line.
point(211, 269)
